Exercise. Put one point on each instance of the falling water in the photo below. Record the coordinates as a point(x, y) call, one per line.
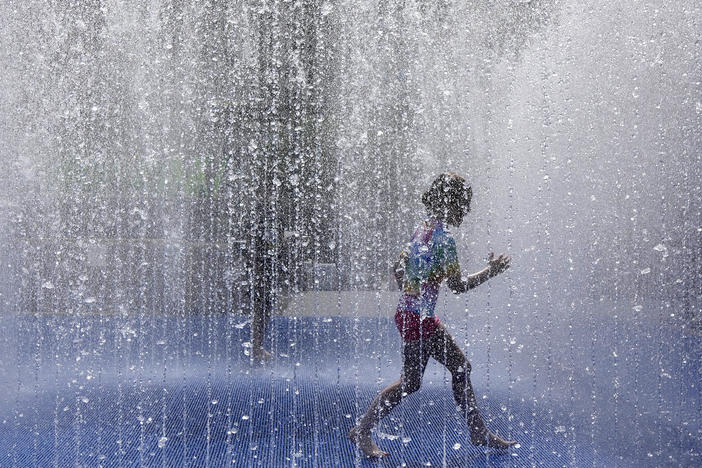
point(172, 165)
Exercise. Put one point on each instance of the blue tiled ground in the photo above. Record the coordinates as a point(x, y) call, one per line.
point(161, 391)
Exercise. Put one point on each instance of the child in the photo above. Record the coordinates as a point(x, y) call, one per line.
point(429, 258)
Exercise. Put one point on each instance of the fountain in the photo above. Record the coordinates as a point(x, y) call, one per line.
point(172, 165)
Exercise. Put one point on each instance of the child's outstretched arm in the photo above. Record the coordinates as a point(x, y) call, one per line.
point(495, 267)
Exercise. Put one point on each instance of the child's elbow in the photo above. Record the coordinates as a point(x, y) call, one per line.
point(456, 286)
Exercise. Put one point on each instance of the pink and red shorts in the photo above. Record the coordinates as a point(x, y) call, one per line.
point(410, 326)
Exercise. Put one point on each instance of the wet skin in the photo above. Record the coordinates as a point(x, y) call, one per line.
point(445, 352)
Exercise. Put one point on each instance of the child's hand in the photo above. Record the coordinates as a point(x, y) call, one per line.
point(497, 265)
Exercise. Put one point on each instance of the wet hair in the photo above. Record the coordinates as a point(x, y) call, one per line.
point(447, 189)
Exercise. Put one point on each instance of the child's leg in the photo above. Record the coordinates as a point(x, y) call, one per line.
point(415, 358)
point(414, 362)
point(447, 352)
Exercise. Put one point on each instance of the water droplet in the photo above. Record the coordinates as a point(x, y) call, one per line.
point(327, 8)
point(456, 446)
point(162, 442)
point(245, 417)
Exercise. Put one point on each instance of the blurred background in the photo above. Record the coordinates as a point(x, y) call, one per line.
point(155, 154)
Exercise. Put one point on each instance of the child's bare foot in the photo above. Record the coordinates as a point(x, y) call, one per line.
point(493, 441)
point(366, 444)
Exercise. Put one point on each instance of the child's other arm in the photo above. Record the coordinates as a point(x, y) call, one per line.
point(398, 269)
point(495, 267)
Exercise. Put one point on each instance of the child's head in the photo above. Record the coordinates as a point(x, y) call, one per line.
point(448, 198)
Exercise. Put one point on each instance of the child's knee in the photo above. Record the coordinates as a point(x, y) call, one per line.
point(463, 370)
point(411, 386)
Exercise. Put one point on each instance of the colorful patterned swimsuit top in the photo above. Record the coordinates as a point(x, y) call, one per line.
point(429, 258)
